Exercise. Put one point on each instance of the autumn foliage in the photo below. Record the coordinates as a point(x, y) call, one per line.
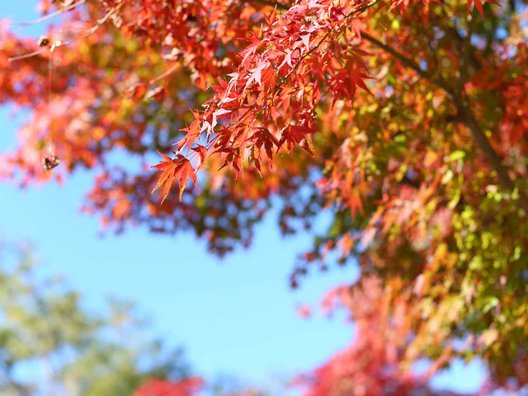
point(403, 121)
point(185, 387)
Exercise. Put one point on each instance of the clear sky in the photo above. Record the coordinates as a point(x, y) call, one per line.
point(235, 316)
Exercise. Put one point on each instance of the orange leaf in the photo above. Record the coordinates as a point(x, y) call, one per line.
point(202, 152)
point(185, 171)
point(168, 169)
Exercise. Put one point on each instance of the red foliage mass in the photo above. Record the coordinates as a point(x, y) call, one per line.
point(157, 387)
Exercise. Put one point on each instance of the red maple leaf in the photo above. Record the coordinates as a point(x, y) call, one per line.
point(170, 169)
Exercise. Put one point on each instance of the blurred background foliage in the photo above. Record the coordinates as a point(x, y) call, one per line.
point(52, 345)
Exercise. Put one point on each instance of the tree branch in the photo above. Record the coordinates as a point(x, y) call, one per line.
point(57, 43)
point(406, 61)
point(465, 114)
point(54, 14)
point(468, 118)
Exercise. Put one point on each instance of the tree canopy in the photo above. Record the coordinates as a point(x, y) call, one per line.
point(403, 121)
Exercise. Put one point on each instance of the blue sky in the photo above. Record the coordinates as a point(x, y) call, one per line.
point(234, 316)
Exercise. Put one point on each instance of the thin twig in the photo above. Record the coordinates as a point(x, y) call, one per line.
point(166, 73)
point(103, 20)
point(53, 14)
point(25, 56)
point(88, 33)
point(354, 11)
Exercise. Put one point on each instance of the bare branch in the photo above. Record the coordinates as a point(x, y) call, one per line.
point(406, 61)
point(53, 14)
point(28, 55)
point(88, 33)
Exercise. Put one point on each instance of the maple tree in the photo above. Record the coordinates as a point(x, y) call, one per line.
point(405, 121)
